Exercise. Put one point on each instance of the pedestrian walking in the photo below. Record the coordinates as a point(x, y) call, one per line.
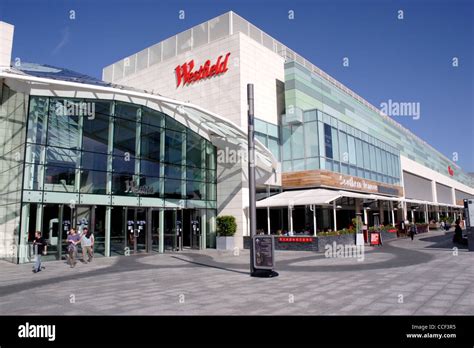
point(413, 231)
point(40, 248)
point(73, 239)
point(87, 244)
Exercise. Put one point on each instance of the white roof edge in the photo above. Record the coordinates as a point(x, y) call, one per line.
point(5, 73)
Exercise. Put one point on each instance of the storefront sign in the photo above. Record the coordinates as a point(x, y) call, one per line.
point(186, 75)
point(375, 238)
point(387, 190)
point(450, 171)
point(356, 183)
point(327, 179)
point(263, 256)
point(295, 239)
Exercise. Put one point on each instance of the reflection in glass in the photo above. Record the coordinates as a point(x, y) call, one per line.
point(173, 145)
point(95, 133)
point(173, 188)
point(93, 182)
point(59, 179)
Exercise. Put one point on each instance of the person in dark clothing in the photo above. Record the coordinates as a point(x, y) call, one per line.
point(413, 231)
point(457, 238)
point(40, 248)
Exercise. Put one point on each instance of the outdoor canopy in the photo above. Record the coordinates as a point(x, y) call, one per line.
point(317, 196)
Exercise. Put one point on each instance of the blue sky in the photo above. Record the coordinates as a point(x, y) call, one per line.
point(407, 60)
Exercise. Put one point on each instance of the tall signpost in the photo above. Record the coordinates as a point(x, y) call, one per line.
point(251, 175)
point(262, 248)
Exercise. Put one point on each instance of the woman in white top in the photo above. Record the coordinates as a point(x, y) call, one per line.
point(87, 244)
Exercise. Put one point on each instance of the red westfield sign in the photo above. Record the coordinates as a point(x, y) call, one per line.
point(186, 75)
point(450, 171)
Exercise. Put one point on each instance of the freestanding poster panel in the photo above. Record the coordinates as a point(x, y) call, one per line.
point(264, 252)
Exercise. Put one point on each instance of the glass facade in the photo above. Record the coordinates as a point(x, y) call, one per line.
point(123, 150)
point(323, 142)
point(268, 135)
point(132, 174)
point(307, 88)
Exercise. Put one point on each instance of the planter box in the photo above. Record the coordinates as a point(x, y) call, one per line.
point(225, 243)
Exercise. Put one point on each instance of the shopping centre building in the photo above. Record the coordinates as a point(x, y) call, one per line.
point(159, 146)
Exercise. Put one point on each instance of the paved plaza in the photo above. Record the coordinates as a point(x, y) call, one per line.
point(402, 277)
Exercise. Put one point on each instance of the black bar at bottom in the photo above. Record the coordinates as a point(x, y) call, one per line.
point(224, 330)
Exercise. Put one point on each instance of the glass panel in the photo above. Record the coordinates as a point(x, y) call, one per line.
point(62, 157)
point(173, 145)
point(200, 35)
point(149, 167)
point(95, 133)
point(255, 33)
point(365, 148)
point(172, 188)
point(359, 153)
point(36, 120)
point(150, 142)
point(311, 139)
point(373, 161)
point(60, 179)
point(122, 184)
point(335, 143)
point(94, 161)
point(152, 117)
point(297, 142)
point(310, 116)
point(274, 147)
point(184, 41)
point(142, 59)
point(211, 192)
point(129, 64)
point(312, 163)
point(286, 142)
point(262, 138)
point(155, 54)
point(63, 129)
point(298, 165)
point(272, 130)
point(33, 153)
point(352, 150)
point(124, 137)
point(344, 168)
point(219, 27)
point(123, 164)
point(125, 110)
point(239, 25)
point(195, 190)
point(152, 185)
point(344, 152)
point(260, 126)
point(194, 148)
point(378, 152)
point(171, 123)
point(93, 182)
point(328, 165)
point(173, 172)
point(196, 174)
point(169, 47)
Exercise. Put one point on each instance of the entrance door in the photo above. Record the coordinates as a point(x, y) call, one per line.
point(137, 229)
point(191, 229)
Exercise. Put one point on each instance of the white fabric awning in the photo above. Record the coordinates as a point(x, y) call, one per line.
point(299, 197)
point(317, 196)
point(320, 196)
